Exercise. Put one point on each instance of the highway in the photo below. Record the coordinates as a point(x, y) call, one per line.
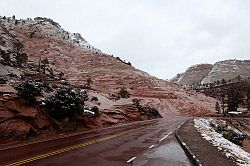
point(138, 143)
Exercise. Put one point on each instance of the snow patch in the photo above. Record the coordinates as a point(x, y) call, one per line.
point(230, 149)
point(88, 111)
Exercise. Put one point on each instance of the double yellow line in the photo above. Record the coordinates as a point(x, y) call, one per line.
point(70, 148)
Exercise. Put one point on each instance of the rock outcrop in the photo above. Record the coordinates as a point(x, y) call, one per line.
point(193, 75)
point(228, 69)
point(206, 73)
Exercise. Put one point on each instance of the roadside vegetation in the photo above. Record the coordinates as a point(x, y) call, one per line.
point(65, 103)
point(29, 90)
point(233, 95)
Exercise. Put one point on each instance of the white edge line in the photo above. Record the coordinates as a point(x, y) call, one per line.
point(166, 136)
point(181, 124)
point(151, 146)
point(130, 160)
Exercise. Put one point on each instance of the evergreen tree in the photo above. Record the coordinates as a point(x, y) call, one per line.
point(21, 58)
point(28, 91)
point(234, 98)
point(67, 102)
point(223, 81)
point(217, 107)
point(5, 56)
point(44, 62)
point(223, 102)
point(238, 78)
point(89, 82)
point(123, 93)
point(248, 98)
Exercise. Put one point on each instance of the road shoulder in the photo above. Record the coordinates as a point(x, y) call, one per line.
point(205, 152)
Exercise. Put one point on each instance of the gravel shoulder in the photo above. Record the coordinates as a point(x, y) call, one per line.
point(207, 154)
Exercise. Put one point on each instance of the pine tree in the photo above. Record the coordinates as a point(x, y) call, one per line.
point(217, 107)
point(89, 82)
point(123, 93)
point(21, 58)
point(5, 56)
point(44, 62)
point(223, 102)
point(223, 81)
point(238, 78)
point(234, 98)
point(248, 98)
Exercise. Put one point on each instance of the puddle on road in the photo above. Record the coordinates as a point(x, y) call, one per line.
point(167, 154)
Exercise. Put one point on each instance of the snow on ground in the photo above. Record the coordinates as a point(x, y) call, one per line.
point(48, 28)
point(230, 149)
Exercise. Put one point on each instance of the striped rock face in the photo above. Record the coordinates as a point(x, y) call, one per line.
point(72, 55)
point(207, 73)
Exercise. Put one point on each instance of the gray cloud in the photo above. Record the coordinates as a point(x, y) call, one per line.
point(162, 37)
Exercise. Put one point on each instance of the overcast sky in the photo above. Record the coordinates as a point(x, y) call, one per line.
point(161, 37)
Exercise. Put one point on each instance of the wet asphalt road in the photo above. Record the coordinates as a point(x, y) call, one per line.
point(145, 143)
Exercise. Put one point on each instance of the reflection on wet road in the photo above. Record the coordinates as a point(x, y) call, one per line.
point(169, 153)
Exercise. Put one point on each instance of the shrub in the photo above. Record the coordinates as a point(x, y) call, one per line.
point(217, 107)
point(31, 34)
point(94, 98)
point(67, 102)
point(96, 110)
point(88, 82)
point(29, 90)
point(6, 56)
point(234, 137)
point(21, 58)
point(123, 93)
point(44, 62)
point(3, 80)
point(154, 112)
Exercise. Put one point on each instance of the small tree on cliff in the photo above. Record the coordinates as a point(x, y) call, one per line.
point(88, 82)
point(223, 81)
point(217, 107)
point(123, 93)
point(21, 58)
point(44, 62)
point(238, 78)
point(5, 56)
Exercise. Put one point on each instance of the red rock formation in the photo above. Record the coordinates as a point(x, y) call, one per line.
point(109, 74)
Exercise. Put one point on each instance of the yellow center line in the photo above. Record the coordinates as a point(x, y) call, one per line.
point(71, 148)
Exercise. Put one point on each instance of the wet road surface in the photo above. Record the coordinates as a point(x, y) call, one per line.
point(139, 143)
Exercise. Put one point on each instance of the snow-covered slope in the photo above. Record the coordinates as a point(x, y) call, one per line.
point(193, 74)
point(45, 27)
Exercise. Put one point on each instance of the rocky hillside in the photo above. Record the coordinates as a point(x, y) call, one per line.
point(193, 74)
point(206, 73)
point(72, 60)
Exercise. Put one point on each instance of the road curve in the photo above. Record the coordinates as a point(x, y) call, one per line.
point(139, 143)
